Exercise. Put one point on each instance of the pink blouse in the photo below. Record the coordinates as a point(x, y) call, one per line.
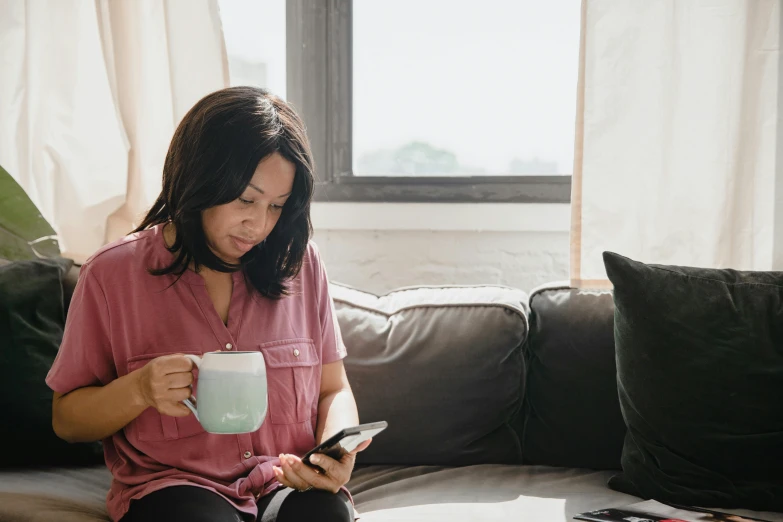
point(121, 317)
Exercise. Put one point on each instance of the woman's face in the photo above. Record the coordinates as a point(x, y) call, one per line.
point(236, 227)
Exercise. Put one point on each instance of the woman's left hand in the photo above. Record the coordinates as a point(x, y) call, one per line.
point(294, 473)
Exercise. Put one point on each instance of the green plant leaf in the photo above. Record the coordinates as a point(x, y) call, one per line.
point(24, 233)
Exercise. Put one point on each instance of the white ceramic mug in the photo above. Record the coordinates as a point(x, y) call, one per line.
point(232, 391)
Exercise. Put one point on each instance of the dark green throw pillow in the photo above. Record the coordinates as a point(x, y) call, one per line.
point(32, 317)
point(700, 379)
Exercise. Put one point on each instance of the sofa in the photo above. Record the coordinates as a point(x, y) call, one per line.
point(502, 405)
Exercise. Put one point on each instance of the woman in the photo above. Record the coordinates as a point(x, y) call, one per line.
point(222, 261)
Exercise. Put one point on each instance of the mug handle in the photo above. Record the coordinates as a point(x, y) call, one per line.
point(192, 403)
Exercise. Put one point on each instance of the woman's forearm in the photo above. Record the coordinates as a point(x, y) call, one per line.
point(336, 411)
point(96, 412)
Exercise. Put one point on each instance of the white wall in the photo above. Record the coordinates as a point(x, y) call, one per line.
point(380, 247)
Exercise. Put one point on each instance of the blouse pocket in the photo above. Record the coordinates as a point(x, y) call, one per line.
point(151, 426)
point(293, 380)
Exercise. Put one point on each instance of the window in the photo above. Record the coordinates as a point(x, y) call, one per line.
point(445, 88)
point(421, 101)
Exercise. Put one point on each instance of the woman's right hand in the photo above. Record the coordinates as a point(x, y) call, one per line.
point(164, 382)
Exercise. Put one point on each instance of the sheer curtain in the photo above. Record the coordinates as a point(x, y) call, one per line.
point(90, 97)
point(678, 153)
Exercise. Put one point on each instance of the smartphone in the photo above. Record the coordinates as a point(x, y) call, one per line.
point(345, 441)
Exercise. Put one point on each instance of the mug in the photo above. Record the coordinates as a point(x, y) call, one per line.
point(232, 391)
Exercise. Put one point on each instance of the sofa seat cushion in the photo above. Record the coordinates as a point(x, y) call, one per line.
point(54, 494)
point(480, 492)
point(416, 493)
point(487, 493)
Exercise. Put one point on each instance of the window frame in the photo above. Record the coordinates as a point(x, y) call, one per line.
point(319, 83)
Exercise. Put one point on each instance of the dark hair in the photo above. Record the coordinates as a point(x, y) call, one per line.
point(212, 158)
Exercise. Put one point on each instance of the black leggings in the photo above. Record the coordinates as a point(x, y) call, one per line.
point(194, 504)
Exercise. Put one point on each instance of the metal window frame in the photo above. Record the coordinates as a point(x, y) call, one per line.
point(319, 85)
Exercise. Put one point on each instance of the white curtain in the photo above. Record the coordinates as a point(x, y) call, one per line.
point(678, 152)
point(91, 92)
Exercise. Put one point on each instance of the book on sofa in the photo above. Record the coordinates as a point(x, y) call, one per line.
point(652, 511)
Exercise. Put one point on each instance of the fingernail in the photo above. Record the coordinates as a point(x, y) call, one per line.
point(315, 459)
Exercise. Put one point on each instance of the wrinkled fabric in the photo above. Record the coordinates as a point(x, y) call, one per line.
point(677, 147)
point(90, 97)
point(121, 317)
